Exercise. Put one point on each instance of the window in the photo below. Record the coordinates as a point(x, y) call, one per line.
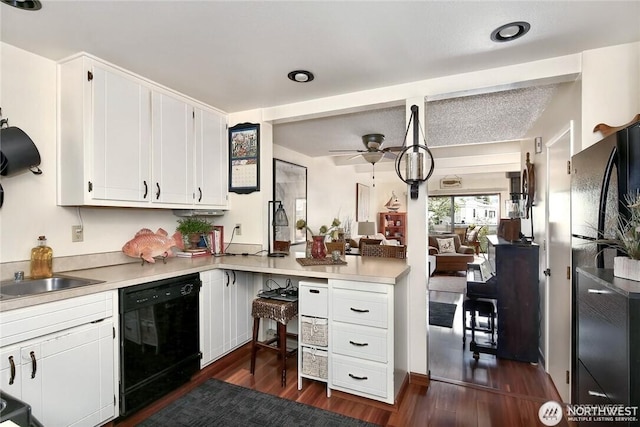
point(448, 213)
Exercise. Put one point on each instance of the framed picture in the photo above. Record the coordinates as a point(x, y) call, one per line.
point(362, 202)
point(244, 158)
point(290, 188)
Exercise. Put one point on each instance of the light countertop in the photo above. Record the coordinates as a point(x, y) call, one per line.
point(363, 269)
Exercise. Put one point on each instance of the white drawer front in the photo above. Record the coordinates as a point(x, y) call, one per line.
point(359, 375)
point(313, 300)
point(361, 308)
point(360, 341)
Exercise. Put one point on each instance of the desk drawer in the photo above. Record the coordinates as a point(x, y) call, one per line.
point(360, 341)
point(361, 308)
point(313, 299)
point(359, 375)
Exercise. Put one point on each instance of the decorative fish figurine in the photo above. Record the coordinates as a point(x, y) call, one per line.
point(146, 245)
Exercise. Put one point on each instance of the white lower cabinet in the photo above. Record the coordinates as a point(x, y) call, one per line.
point(361, 349)
point(68, 377)
point(225, 316)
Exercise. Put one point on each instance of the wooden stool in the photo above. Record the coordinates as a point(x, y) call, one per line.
point(281, 312)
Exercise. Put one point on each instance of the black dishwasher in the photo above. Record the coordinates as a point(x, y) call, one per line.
point(159, 339)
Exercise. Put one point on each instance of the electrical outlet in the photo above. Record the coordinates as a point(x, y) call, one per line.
point(238, 229)
point(77, 233)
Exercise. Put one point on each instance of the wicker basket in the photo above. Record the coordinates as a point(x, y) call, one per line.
point(314, 331)
point(315, 362)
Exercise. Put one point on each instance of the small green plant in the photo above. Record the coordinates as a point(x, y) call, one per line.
point(193, 225)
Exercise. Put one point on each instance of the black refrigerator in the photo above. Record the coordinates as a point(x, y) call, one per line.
point(602, 175)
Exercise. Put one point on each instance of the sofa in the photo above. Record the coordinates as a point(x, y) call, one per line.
point(449, 253)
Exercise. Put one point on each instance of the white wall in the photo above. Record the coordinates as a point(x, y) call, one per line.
point(28, 100)
point(610, 88)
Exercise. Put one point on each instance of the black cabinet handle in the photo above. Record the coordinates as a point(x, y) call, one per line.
point(359, 344)
point(358, 378)
point(146, 189)
point(359, 310)
point(314, 291)
point(234, 276)
point(227, 274)
point(200, 193)
point(158, 191)
point(13, 370)
point(34, 364)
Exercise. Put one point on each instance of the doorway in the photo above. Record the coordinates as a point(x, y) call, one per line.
point(557, 284)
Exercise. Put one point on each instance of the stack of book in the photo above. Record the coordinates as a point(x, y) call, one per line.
point(192, 253)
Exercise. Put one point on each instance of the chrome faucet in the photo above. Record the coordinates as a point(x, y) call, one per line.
point(18, 276)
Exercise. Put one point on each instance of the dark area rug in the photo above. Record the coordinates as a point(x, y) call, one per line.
point(216, 403)
point(441, 314)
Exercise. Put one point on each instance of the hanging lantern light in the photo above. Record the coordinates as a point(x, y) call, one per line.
point(418, 157)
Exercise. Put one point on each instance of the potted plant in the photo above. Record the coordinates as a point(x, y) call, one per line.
point(193, 228)
point(627, 240)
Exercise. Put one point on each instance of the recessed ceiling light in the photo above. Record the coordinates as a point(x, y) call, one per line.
point(300, 76)
point(511, 31)
point(24, 4)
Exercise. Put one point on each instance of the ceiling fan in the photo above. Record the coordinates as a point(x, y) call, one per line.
point(373, 153)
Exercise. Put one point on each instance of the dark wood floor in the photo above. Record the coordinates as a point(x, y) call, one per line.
point(509, 397)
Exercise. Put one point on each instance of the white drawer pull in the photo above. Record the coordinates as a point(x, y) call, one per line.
point(359, 344)
point(359, 310)
point(597, 394)
point(598, 291)
point(358, 378)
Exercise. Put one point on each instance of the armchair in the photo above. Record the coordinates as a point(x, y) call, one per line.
point(473, 238)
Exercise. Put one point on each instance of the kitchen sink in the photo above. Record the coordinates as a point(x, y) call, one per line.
point(12, 288)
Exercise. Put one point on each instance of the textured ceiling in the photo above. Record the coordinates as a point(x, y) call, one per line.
point(477, 119)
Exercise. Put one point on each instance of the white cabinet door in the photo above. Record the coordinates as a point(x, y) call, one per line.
point(68, 377)
point(211, 159)
point(105, 135)
point(237, 295)
point(211, 316)
point(244, 297)
point(121, 116)
point(10, 371)
point(173, 149)
point(230, 298)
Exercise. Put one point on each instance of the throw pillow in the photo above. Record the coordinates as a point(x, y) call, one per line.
point(446, 246)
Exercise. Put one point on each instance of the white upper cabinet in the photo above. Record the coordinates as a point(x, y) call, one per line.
point(127, 141)
point(211, 159)
point(105, 136)
point(173, 149)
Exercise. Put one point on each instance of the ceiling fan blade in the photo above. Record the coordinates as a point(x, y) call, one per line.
point(347, 151)
point(395, 149)
point(390, 155)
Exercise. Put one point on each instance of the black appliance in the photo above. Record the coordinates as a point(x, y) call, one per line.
point(159, 339)
point(603, 174)
point(17, 411)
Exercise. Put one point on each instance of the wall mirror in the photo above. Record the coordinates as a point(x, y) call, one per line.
point(290, 187)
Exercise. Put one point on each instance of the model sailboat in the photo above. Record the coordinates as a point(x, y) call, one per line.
point(393, 204)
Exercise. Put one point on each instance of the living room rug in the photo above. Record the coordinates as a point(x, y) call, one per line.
point(441, 314)
point(446, 283)
point(217, 403)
